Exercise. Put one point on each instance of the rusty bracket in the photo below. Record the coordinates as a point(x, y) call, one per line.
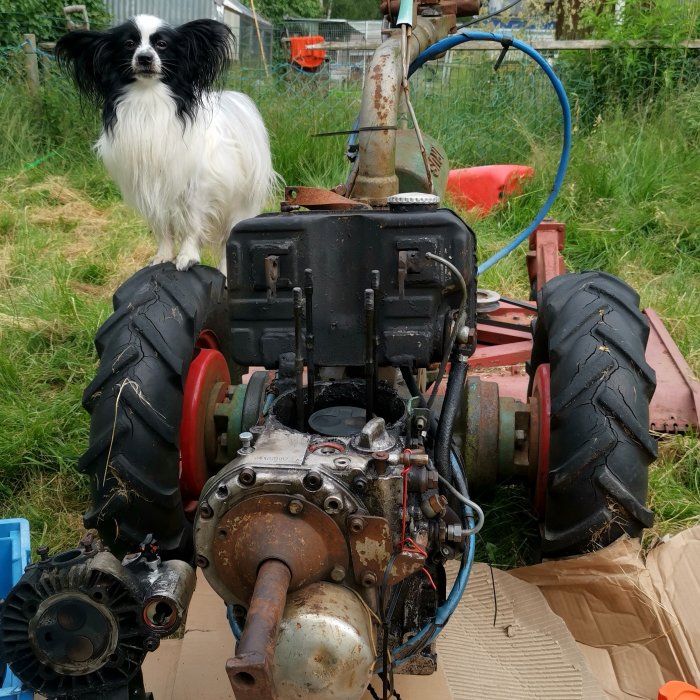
point(318, 198)
point(544, 260)
point(371, 550)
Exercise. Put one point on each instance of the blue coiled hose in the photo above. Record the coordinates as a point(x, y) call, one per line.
point(450, 42)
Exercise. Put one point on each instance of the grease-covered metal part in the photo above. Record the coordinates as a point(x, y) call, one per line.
point(325, 645)
point(86, 615)
point(357, 511)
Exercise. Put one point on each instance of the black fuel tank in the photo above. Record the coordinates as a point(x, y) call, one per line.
point(342, 248)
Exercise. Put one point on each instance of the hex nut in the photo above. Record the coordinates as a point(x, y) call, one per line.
point(246, 477)
point(313, 481)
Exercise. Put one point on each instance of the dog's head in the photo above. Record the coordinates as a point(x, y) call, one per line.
point(189, 58)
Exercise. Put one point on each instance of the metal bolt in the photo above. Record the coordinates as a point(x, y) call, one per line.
point(246, 439)
point(205, 511)
point(313, 481)
point(332, 505)
point(357, 525)
point(295, 506)
point(201, 561)
point(446, 552)
point(341, 462)
point(369, 579)
point(151, 644)
point(337, 573)
point(246, 477)
point(360, 484)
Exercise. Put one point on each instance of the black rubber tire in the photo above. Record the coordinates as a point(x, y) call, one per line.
point(145, 350)
point(593, 335)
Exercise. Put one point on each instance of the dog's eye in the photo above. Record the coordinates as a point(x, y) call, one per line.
point(129, 44)
point(160, 45)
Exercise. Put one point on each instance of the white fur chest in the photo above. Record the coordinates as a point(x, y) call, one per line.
point(150, 154)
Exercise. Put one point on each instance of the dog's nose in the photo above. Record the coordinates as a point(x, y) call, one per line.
point(144, 59)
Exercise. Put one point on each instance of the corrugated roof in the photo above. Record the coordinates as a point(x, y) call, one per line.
point(241, 9)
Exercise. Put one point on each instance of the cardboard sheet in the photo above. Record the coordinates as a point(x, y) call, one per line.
point(636, 620)
point(605, 625)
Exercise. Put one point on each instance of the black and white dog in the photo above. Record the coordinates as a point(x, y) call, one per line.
point(191, 160)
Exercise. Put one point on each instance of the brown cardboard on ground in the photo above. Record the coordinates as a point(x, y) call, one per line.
point(636, 621)
point(527, 654)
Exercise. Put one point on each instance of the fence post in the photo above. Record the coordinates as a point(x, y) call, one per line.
point(31, 64)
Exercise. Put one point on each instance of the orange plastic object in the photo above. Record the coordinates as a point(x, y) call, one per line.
point(308, 59)
point(678, 690)
point(482, 188)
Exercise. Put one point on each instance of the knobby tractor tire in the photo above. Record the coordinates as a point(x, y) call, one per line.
point(593, 335)
point(135, 402)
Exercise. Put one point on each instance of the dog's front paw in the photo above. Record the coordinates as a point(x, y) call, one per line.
point(185, 262)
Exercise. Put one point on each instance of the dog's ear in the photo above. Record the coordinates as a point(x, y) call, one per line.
point(208, 51)
point(85, 56)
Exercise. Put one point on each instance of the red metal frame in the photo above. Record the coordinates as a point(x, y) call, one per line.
point(544, 260)
point(675, 406)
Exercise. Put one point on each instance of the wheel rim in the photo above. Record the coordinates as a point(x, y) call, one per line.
point(540, 420)
point(207, 380)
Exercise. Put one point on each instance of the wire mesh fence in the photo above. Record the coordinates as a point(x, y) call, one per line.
point(479, 115)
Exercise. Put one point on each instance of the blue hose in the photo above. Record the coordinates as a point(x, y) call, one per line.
point(440, 47)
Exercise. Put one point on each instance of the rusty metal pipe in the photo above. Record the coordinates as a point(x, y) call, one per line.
point(250, 671)
point(376, 176)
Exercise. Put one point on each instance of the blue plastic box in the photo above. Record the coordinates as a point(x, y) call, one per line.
point(14, 556)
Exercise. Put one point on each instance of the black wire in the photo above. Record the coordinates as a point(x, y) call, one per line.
point(521, 304)
point(485, 17)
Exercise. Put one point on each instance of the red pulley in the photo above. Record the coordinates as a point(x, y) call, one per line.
point(205, 386)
